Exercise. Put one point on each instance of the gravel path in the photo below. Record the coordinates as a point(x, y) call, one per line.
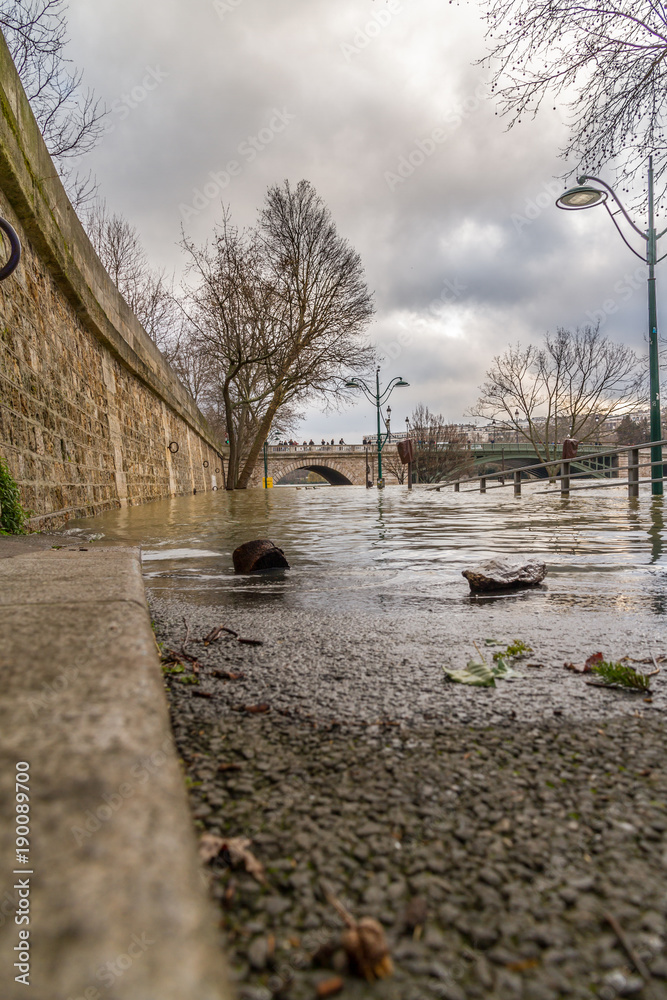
point(490, 832)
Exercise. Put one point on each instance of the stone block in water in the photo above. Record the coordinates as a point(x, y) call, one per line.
point(504, 573)
point(259, 554)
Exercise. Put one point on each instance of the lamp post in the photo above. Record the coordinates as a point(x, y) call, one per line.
point(387, 423)
point(378, 398)
point(516, 421)
point(585, 196)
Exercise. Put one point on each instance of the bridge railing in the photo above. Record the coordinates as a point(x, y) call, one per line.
point(574, 468)
point(286, 449)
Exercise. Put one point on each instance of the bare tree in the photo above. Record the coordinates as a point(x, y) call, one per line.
point(322, 304)
point(148, 293)
point(607, 60)
point(69, 117)
point(556, 390)
point(631, 431)
point(391, 462)
point(440, 447)
point(235, 323)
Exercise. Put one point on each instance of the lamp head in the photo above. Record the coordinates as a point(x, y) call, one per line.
point(581, 197)
point(402, 381)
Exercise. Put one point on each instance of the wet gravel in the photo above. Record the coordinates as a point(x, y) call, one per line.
point(490, 831)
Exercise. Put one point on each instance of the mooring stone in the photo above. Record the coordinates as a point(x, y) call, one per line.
point(502, 573)
point(257, 555)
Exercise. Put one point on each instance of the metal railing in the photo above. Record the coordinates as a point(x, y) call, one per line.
point(566, 473)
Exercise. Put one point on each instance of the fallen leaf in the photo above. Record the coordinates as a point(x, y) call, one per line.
point(211, 846)
point(227, 676)
point(253, 709)
point(201, 694)
point(366, 946)
point(522, 965)
point(364, 941)
point(579, 668)
point(592, 661)
point(251, 642)
point(329, 987)
point(229, 767)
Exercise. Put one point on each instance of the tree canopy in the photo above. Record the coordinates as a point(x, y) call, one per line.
point(607, 62)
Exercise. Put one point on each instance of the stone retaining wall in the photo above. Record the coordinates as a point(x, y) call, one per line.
point(88, 405)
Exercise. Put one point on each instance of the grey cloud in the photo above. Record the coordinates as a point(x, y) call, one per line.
point(455, 218)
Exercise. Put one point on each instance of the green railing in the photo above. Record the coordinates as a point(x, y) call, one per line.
point(561, 470)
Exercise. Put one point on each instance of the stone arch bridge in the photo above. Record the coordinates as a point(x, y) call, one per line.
point(349, 464)
point(339, 464)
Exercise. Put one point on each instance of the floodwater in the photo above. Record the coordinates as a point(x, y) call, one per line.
point(375, 606)
point(368, 550)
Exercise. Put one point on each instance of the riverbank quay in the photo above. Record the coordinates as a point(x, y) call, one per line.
point(101, 895)
point(494, 833)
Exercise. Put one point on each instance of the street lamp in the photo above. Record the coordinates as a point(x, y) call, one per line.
point(597, 429)
point(379, 399)
point(585, 196)
point(387, 423)
point(516, 421)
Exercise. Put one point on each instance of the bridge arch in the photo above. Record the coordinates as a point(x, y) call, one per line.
point(332, 475)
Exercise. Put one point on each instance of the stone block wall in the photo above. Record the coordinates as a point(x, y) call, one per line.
point(88, 405)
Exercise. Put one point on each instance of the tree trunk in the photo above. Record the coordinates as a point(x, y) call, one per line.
point(256, 447)
point(233, 462)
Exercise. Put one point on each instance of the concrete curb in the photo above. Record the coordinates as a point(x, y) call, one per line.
point(117, 901)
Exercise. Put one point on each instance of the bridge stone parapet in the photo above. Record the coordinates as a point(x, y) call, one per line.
point(340, 464)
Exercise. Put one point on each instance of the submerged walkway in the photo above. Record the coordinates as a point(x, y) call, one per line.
point(499, 835)
point(109, 888)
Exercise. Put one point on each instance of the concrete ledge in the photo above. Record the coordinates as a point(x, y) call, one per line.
point(118, 907)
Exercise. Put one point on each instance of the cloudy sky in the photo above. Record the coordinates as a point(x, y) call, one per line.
point(380, 105)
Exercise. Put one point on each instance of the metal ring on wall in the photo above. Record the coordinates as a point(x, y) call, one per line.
point(214, 488)
point(206, 465)
point(217, 470)
point(173, 447)
point(15, 255)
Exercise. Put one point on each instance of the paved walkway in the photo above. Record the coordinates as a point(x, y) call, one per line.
point(115, 902)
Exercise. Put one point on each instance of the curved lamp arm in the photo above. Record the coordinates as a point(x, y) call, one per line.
point(597, 180)
point(357, 383)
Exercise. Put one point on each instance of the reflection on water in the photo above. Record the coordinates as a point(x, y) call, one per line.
point(392, 548)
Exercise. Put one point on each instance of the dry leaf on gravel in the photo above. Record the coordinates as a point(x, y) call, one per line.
point(329, 987)
point(585, 668)
point(364, 941)
point(210, 846)
point(252, 709)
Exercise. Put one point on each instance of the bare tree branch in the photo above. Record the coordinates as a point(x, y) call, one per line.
point(606, 60)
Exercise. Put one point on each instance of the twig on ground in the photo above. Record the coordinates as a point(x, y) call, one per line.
point(638, 963)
